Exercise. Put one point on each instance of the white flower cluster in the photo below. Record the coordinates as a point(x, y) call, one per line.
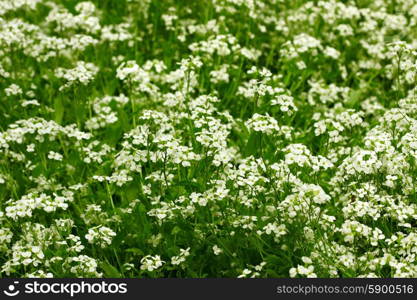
point(83, 73)
point(181, 257)
point(151, 263)
point(100, 235)
point(105, 112)
point(25, 206)
point(263, 123)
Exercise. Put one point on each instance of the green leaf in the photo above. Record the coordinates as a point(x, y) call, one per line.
point(253, 144)
point(134, 251)
point(109, 270)
point(59, 110)
point(176, 230)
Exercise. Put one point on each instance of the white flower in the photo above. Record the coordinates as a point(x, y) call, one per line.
point(100, 235)
point(217, 250)
point(263, 123)
point(54, 156)
point(151, 263)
